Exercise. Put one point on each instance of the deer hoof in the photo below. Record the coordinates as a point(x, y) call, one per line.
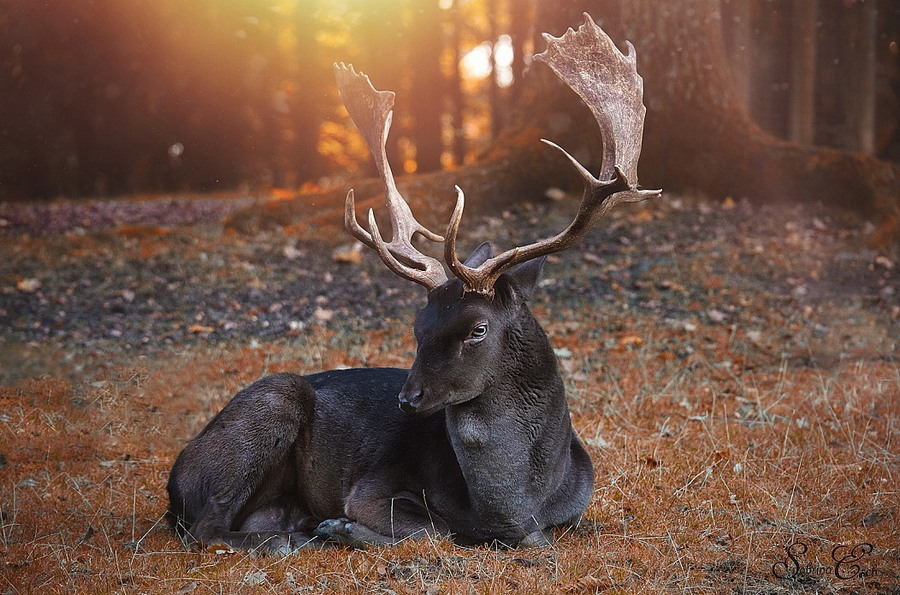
point(335, 529)
point(536, 539)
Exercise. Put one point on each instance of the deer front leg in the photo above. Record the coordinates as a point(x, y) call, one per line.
point(354, 534)
point(381, 520)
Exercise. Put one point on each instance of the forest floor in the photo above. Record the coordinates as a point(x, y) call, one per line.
point(732, 369)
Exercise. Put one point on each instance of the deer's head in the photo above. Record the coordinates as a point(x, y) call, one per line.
point(467, 325)
point(464, 338)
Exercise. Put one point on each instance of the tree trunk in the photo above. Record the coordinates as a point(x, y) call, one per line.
point(457, 98)
point(519, 33)
point(863, 65)
point(427, 90)
point(803, 73)
point(740, 46)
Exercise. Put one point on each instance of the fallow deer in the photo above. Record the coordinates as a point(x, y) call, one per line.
point(481, 447)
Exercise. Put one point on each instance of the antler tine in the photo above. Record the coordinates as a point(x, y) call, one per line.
point(372, 112)
point(607, 81)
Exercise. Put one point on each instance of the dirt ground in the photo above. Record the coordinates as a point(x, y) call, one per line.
point(732, 369)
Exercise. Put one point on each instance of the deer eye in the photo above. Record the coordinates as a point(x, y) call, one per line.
point(478, 333)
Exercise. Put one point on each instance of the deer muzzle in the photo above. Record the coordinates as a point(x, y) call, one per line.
point(411, 398)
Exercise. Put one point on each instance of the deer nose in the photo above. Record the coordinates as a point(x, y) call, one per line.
point(410, 398)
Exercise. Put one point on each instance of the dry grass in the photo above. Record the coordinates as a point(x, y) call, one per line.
point(706, 469)
point(719, 436)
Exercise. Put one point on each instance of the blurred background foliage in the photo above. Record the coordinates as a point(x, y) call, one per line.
point(115, 97)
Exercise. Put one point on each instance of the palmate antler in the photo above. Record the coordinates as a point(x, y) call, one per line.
point(608, 82)
point(372, 113)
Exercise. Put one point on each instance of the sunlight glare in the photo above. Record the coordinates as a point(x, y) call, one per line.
point(503, 59)
point(483, 59)
point(476, 64)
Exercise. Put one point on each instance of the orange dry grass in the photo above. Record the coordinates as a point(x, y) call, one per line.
point(707, 467)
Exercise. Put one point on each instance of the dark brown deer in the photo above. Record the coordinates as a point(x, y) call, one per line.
point(481, 447)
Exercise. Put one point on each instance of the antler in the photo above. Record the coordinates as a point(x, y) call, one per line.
point(605, 79)
point(591, 65)
point(372, 113)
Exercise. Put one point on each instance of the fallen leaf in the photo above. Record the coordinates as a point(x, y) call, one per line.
point(137, 232)
point(631, 340)
point(669, 285)
point(716, 315)
point(884, 262)
point(28, 285)
point(819, 225)
point(323, 315)
point(555, 194)
point(348, 254)
point(292, 253)
point(642, 216)
point(199, 328)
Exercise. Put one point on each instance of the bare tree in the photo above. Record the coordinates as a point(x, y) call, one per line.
point(428, 84)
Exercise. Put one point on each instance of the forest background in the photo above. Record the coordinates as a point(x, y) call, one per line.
point(172, 177)
point(103, 98)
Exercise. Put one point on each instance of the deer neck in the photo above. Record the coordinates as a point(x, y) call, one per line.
point(513, 440)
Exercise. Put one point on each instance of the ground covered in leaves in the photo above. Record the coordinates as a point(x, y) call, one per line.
point(731, 368)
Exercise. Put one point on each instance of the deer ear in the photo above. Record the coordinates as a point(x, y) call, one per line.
point(525, 277)
point(479, 255)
